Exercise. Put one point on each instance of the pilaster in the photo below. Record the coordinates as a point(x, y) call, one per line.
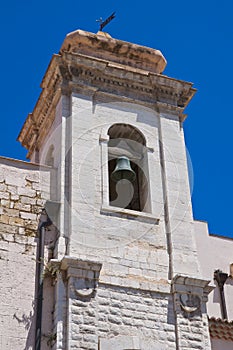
point(177, 196)
point(82, 280)
point(190, 298)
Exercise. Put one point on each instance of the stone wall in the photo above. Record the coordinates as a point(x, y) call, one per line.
point(21, 203)
point(131, 247)
point(122, 311)
point(128, 244)
point(104, 316)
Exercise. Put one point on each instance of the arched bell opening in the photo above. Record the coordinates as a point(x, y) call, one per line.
point(128, 168)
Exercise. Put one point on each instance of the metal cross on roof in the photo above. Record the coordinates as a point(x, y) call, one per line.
point(109, 19)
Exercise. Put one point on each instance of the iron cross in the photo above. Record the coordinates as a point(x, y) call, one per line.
point(103, 24)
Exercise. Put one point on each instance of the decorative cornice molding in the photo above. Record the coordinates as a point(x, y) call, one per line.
point(154, 87)
point(74, 266)
point(82, 276)
point(75, 72)
point(190, 294)
point(38, 123)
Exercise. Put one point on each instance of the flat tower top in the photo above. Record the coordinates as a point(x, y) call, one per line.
point(103, 46)
point(89, 63)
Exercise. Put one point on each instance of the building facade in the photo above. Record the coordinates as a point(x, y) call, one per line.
point(99, 248)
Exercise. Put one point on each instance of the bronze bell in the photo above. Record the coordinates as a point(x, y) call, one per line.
point(123, 170)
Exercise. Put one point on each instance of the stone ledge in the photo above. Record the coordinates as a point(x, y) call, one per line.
point(146, 286)
point(101, 45)
point(78, 267)
point(27, 164)
point(129, 214)
point(190, 294)
point(182, 284)
point(180, 280)
point(82, 276)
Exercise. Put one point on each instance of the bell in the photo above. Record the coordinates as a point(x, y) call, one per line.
point(123, 170)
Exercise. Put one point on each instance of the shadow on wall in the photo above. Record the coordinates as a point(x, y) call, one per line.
point(229, 281)
point(223, 297)
point(44, 286)
point(37, 324)
point(28, 321)
point(216, 297)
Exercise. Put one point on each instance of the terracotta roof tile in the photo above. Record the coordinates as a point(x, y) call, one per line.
point(221, 329)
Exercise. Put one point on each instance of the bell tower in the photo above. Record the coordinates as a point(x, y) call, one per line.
point(109, 123)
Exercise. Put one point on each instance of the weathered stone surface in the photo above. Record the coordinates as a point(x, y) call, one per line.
point(123, 311)
point(18, 228)
point(123, 53)
point(93, 83)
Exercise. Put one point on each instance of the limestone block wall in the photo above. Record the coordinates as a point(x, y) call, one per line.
point(179, 207)
point(144, 240)
point(193, 334)
point(21, 203)
point(132, 248)
point(117, 311)
point(127, 245)
point(116, 317)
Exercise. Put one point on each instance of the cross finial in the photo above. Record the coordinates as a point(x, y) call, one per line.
point(103, 24)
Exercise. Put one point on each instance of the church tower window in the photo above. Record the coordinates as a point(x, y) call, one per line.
point(128, 168)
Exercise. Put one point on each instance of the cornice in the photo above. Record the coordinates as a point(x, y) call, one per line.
point(69, 72)
point(97, 96)
point(114, 50)
point(37, 124)
point(131, 82)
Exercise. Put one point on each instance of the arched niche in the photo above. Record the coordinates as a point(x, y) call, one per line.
point(126, 140)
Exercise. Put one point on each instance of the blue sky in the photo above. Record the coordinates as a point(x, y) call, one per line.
point(195, 37)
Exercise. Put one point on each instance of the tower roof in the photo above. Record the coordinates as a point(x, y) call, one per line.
point(90, 62)
point(103, 46)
